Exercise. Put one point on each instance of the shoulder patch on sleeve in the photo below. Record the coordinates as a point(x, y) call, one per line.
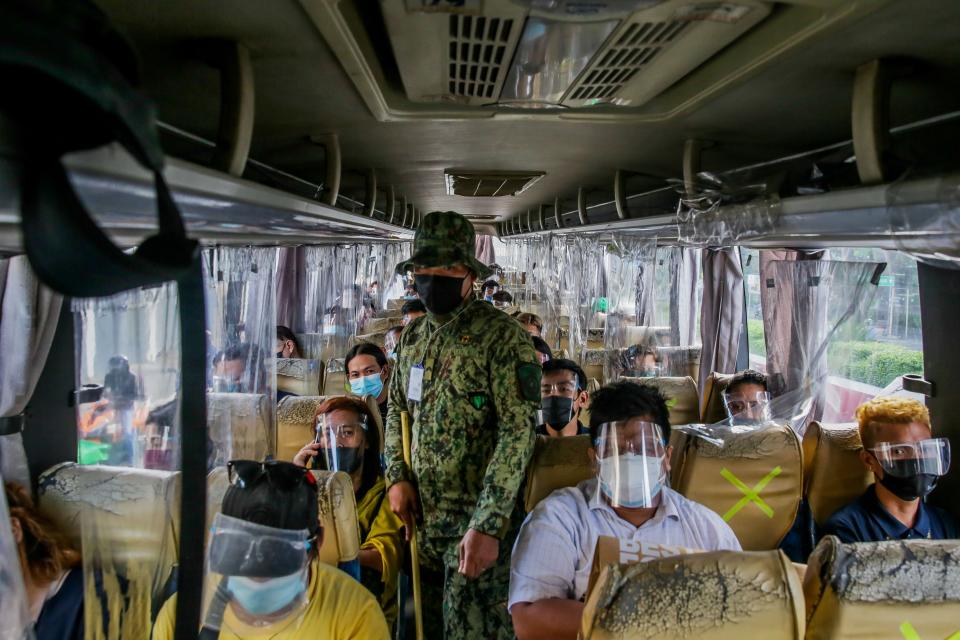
point(528, 377)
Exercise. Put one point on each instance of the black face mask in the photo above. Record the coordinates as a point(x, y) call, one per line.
point(280, 354)
point(557, 411)
point(349, 459)
point(909, 484)
point(440, 294)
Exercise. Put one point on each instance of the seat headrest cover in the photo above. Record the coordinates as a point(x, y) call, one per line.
point(299, 409)
point(751, 445)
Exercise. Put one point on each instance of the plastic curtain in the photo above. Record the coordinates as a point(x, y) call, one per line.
point(14, 619)
point(806, 304)
point(724, 210)
point(241, 325)
point(128, 374)
point(928, 232)
point(630, 265)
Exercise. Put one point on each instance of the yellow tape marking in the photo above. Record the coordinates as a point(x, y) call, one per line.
point(909, 633)
point(749, 495)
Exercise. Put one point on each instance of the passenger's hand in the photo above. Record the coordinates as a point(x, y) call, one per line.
point(478, 551)
point(306, 453)
point(403, 502)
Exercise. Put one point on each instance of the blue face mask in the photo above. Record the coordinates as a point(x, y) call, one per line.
point(367, 385)
point(269, 596)
point(488, 298)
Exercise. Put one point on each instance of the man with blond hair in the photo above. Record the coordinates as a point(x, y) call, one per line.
point(906, 460)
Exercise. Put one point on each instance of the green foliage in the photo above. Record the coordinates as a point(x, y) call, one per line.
point(755, 336)
point(875, 363)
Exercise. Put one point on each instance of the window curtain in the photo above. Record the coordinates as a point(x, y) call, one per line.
point(28, 320)
point(721, 314)
point(484, 249)
point(290, 269)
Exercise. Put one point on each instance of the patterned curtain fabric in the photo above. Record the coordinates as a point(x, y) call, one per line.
point(721, 314)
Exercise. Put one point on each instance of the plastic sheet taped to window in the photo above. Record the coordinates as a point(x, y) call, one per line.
point(241, 323)
point(720, 211)
point(927, 229)
point(14, 619)
point(807, 304)
point(128, 377)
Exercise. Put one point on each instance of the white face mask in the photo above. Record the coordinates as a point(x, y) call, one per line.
point(631, 480)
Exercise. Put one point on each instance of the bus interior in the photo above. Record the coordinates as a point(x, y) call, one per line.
point(748, 184)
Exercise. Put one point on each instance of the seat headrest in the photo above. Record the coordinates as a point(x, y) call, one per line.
point(647, 335)
point(299, 376)
point(239, 426)
point(556, 463)
point(295, 425)
point(375, 338)
point(713, 409)
point(375, 325)
point(721, 595)
point(680, 394)
point(338, 517)
point(872, 589)
point(724, 477)
point(834, 474)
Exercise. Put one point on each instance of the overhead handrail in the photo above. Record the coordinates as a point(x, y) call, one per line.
point(235, 128)
point(331, 144)
point(540, 214)
point(870, 120)
point(371, 199)
point(620, 195)
point(691, 165)
point(582, 206)
point(556, 212)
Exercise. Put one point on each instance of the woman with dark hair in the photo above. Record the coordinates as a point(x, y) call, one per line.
point(51, 572)
point(348, 440)
point(287, 344)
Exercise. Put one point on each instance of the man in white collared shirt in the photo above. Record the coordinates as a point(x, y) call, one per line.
point(630, 429)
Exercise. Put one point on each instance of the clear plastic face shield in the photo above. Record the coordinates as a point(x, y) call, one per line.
point(263, 569)
point(929, 457)
point(747, 407)
point(631, 468)
point(342, 436)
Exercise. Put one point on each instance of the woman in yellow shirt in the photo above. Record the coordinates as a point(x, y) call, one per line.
point(348, 440)
point(264, 577)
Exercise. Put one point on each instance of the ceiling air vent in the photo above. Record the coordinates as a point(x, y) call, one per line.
point(478, 56)
point(489, 184)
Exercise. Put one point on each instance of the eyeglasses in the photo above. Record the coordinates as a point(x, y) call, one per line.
point(283, 475)
point(563, 388)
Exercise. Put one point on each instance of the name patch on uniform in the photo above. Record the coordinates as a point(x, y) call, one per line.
point(415, 386)
point(528, 378)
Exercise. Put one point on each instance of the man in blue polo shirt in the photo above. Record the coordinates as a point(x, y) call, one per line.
point(907, 462)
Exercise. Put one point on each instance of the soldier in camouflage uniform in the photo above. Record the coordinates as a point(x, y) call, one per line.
point(469, 377)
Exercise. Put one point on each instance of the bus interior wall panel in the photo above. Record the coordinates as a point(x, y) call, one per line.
point(939, 309)
point(50, 434)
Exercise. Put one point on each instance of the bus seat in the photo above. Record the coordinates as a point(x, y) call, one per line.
point(126, 523)
point(338, 516)
point(894, 589)
point(372, 338)
point(680, 394)
point(595, 337)
point(681, 361)
point(647, 336)
point(592, 361)
point(834, 474)
point(713, 409)
point(556, 463)
point(754, 481)
point(335, 378)
point(375, 325)
point(239, 426)
point(395, 304)
point(299, 376)
point(295, 425)
point(720, 595)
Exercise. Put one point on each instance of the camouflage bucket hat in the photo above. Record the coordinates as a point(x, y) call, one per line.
point(444, 238)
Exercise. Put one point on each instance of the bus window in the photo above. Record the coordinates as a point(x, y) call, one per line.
point(887, 344)
point(750, 259)
point(128, 374)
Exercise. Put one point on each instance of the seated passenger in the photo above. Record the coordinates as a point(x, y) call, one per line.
point(390, 341)
point(563, 393)
point(532, 323)
point(368, 371)
point(551, 562)
point(239, 369)
point(52, 575)
point(641, 361)
point(410, 291)
point(746, 398)
point(488, 288)
point(907, 463)
point(262, 557)
point(287, 345)
point(502, 299)
point(543, 349)
point(411, 310)
point(356, 451)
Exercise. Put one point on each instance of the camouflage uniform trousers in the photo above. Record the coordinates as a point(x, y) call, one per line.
point(459, 608)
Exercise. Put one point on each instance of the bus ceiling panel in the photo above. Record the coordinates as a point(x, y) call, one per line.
point(215, 205)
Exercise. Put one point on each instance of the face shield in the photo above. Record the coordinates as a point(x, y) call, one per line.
point(263, 569)
point(905, 459)
point(747, 408)
point(630, 462)
point(342, 443)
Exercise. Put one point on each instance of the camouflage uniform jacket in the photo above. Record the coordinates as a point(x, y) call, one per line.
point(473, 430)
